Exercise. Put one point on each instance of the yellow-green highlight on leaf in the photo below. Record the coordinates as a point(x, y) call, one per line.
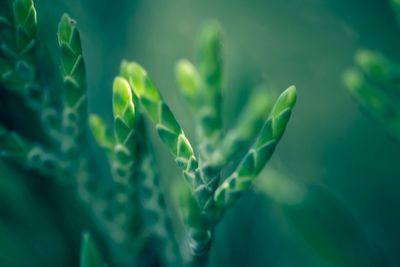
point(100, 132)
point(123, 101)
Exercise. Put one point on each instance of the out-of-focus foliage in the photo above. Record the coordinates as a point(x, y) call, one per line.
point(396, 7)
point(90, 256)
point(320, 219)
point(375, 83)
point(376, 86)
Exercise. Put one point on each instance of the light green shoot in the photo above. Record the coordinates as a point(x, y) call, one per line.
point(74, 81)
point(90, 256)
point(159, 113)
point(259, 154)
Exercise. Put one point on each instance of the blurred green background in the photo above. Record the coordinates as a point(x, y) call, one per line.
point(346, 162)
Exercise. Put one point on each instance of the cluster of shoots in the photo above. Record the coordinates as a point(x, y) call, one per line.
point(128, 207)
point(375, 84)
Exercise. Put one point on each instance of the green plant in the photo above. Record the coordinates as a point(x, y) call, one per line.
point(127, 210)
point(375, 84)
